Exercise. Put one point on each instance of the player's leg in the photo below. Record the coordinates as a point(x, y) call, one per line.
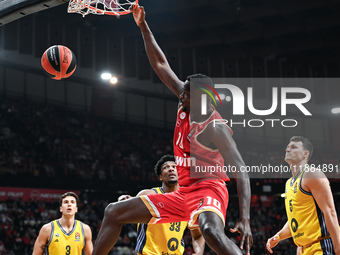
point(116, 214)
point(212, 228)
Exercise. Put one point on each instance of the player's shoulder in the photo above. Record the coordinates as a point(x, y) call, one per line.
point(85, 226)
point(313, 178)
point(311, 172)
point(218, 127)
point(146, 192)
point(46, 229)
point(48, 225)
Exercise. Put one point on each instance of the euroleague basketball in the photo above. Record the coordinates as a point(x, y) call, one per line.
point(59, 62)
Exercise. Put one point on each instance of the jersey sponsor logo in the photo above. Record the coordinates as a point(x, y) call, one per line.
point(160, 204)
point(299, 235)
point(180, 161)
point(173, 244)
point(56, 241)
point(77, 237)
point(294, 225)
point(182, 115)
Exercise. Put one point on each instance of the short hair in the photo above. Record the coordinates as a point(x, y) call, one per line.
point(161, 161)
point(72, 194)
point(205, 79)
point(307, 145)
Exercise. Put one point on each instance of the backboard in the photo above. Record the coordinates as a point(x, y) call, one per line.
point(11, 10)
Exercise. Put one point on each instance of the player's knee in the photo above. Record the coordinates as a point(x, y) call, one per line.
point(209, 232)
point(112, 211)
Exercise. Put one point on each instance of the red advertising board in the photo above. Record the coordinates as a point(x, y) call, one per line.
point(31, 194)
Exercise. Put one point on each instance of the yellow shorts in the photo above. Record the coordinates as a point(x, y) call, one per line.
point(319, 248)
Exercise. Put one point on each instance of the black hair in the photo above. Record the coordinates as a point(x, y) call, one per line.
point(161, 161)
point(203, 78)
point(72, 194)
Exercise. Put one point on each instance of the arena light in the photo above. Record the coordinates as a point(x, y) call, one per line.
point(336, 110)
point(106, 76)
point(113, 80)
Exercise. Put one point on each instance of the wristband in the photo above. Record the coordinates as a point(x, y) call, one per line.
point(277, 237)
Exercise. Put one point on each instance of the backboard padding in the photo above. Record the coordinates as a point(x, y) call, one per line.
point(11, 10)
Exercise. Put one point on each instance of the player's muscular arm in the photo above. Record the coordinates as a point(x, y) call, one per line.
point(198, 242)
point(156, 56)
point(318, 184)
point(88, 240)
point(222, 139)
point(42, 239)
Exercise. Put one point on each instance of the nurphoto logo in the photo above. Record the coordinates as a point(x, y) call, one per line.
point(243, 103)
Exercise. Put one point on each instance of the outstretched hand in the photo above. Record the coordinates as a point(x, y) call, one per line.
point(272, 242)
point(138, 13)
point(243, 228)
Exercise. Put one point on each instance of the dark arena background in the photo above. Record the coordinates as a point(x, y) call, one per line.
point(102, 140)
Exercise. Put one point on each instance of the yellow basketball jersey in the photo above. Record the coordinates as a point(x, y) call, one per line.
point(66, 243)
point(161, 239)
point(306, 220)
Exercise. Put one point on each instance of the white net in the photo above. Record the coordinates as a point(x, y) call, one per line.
point(108, 7)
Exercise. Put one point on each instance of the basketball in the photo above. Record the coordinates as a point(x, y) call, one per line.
point(59, 62)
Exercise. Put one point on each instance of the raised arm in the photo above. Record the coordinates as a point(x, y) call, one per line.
point(42, 239)
point(156, 56)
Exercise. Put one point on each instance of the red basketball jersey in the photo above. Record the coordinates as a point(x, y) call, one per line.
point(189, 153)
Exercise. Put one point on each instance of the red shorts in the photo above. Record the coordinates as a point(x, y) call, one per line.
point(187, 203)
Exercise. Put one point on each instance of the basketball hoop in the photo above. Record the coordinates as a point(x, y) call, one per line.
point(107, 7)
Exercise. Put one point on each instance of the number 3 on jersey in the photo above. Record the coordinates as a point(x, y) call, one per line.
point(175, 226)
point(68, 250)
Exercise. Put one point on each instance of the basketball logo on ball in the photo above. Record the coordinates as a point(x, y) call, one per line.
point(59, 62)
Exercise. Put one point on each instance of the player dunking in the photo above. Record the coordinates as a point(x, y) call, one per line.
point(312, 219)
point(203, 201)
